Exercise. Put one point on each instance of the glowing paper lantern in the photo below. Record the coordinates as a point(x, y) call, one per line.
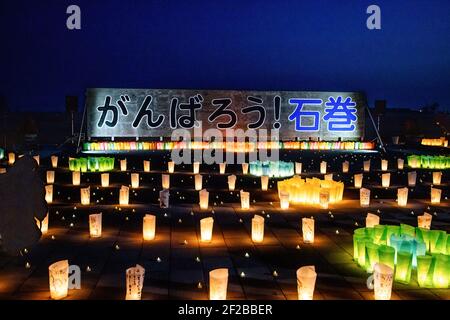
point(424, 271)
point(441, 273)
point(306, 282)
point(308, 230)
point(85, 196)
point(135, 282)
point(345, 166)
point(436, 195)
point(245, 168)
point(403, 267)
point(385, 180)
point(323, 167)
point(383, 278)
point(328, 177)
point(11, 158)
point(402, 197)
point(204, 199)
point(43, 225)
point(218, 283)
point(364, 197)
point(50, 177)
point(257, 228)
point(54, 160)
point(372, 257)
point(386, 255)
point(37, 158)
point(135, 180)
point(123, 165)
point(384, 165)
point(49, 193)
point(284, 200)
point(165, 181)
point(196, 167)
point(298, 168)
point(412, 177)
point(95, 225)
point(171, 166)
point(424, 221)
point(164, 196)
point(264, 183)
point(400, 164)
point(124, 195)
point(358, 180)
point(76, 178)
point(222, 167)
point(437, 177)
point(206, 229)
point(149, 227)
point(245, 200)
point(146, 166)
point(105, 179)
point(366, 166)
point(198, 182)
point(324, 198)
point(59, 279)
point(372, 220)
point(231, 182)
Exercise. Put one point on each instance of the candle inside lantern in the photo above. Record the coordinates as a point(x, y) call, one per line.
point(264, 183)
point(54, 160)
point(123, 164)
point(146, 165)
point(11, 158)
point(231, 182)
point(105, 179)
point(50, 176)
point(400, 164)
point(204, 199)
point(198, 182)
point(345, 166)
point(308, 230)
point(49, 193)
point(218, 283)
point(358, 180)
point(245, 168)
point(134, 282)
point(284, 200)
point(85, 196)
point(196, 167)
point(437, 177)
point(135, 180)
point(222, 167)
point(383, 278)
point(424, 221)
point(245, 199)
point(364, 197)
point(95, 225)
point(59, 279)
point(257, 228)
point(366, 166)
point(171, 166)
point(372, 220)
point(436, 195)
point(206, 229)
point(402, 197)
point(165, 181)
point(306, 282)
point(412, 177)
point(124, 195)
point(76, 178)
point(323, 167)
point(385, 180)
point(384, 165)
point(149, 227)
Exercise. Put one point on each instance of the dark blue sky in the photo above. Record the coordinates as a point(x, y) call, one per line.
point(242, 44)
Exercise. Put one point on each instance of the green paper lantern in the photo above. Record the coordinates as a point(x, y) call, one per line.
point(408, 230)
point(371, 256)
point(438, 241)
point(424, 236)
point(441, 271)
point(379, 234)
point(386, 255)
point(424, 270)
point(403, 267)
point(390, 230)
point(362, 251)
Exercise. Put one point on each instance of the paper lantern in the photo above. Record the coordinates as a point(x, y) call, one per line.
point(149, 227)
point(412, 177)
point(95, 225)
point(257, 228)
point(245, 168)
point(358, 180)
point(384, 165)
point(135, 180)
point(105, 179)
point(402, 197)
point(437, 177)
point(345, 166)
point(328, 177)
point(436, 195)
point(37, 158)
point(245, 200)
point(386, 255)
point(146, 166)
point(43, 225)
point(424, 272)
point(135, 282)
point(59, 279)
point(441, 271)
point(385, 180)
point(49, 193)
point(204, 199)
point(165, 181)
point(372, 220)
point(395, 139)
point(54, 160)
point(198, 182)
point(218, 283)
point(366, 166)
point(264, 183)
point(284, 200)
point(372, 257)
point(298, 168)
point(196, 167)
point(403, 267)
point(324, 198)
point(323, 167)
point(11, 158)
point(124, 195)
point(123, 165)
point(171, 166)
point(206, 229)
point(50, 177)
point(164, 196)
point(85, 196)
point(364, 197)
point(222, 167)
point(400, 164)
point(383, 277)
point(308, 230)
point(424, 221)
point(231, 182)
point(76, 178)
point(306, 282)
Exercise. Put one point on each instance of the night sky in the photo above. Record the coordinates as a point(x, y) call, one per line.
point(242, 44)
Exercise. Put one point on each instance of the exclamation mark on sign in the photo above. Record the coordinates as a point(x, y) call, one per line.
point(277, 108)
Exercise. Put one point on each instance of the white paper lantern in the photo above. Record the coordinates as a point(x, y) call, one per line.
point(424, 221)
point(164, 196)
point(308, 230)
point(76, 178)
point(257, 228)
point(264, 183)
point(218, 283)
point(383, 277)
point(306, 282)
point(323, 167)
point(437, 177)
point(436, 195)
point(384, 165)
point(206, 229)
point(328, 177)
point(146, 166)
point(385, 180)
point(135, 282)
point(124, 195)
point(402, 197)
point(49, 193)
point(358, 180)
point(412, 177)
point(95, 225)
point(43, 225)
point(222, 167)
point(204, 199)
point(149, 227)
point(135, 180)
point(284, 200)
point(54, 160)
point(165, 181)
point(50, 176)
point(345, 166)
point(324, 198)
point(366, 166)
point(364, 197)
point(196, 167)
point(198, 182)
point(298, 168)
point(372, 220)
point(123, 165)
point(59, 279)
point(85, 196)
point(231, 182)
point(400, 164)
point(245, 168)
point(105, 179)
point(245, 200)
point(171, 166)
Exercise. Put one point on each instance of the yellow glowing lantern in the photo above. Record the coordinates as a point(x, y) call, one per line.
point(328, 177)
point(11, 158)
point(324, 198)
point(436, 195)
point(245, 200)
point(59, 279)
point(437, 177)
point(366, 166)
point(134, 282)
point(372, 220)
point(95, 225)
point(37, 158)
point(222, 167)
point(257, 228)
point(171, 166)
point(124, 195)
point(284, 200)
point(198, 182)
point(196, 167)
point(54, 160)
point(400, 164)
point(105, 179)
point(383, 278)
point(345, 166)
point(49, 193)
point(264, 183)
point(412, 177)
point(384, 165)
point(218, 283)
point(204, 199)
point(43, 225)
point(245, 168)
point(323, 167)
point(424, 221)
point(50, 177)
point(402, 197)
point(306, 282)
point(85, 196)
point(146, 166)
point(298, 168)
point(123, 165)
point(135, 180)
point(358, 180)
point(385, 180)
point(76, 178)
point(149, 227)
point(308, 230)
point(231, 182)
point(206, 229)
point(165, 181)
point(364, 197)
